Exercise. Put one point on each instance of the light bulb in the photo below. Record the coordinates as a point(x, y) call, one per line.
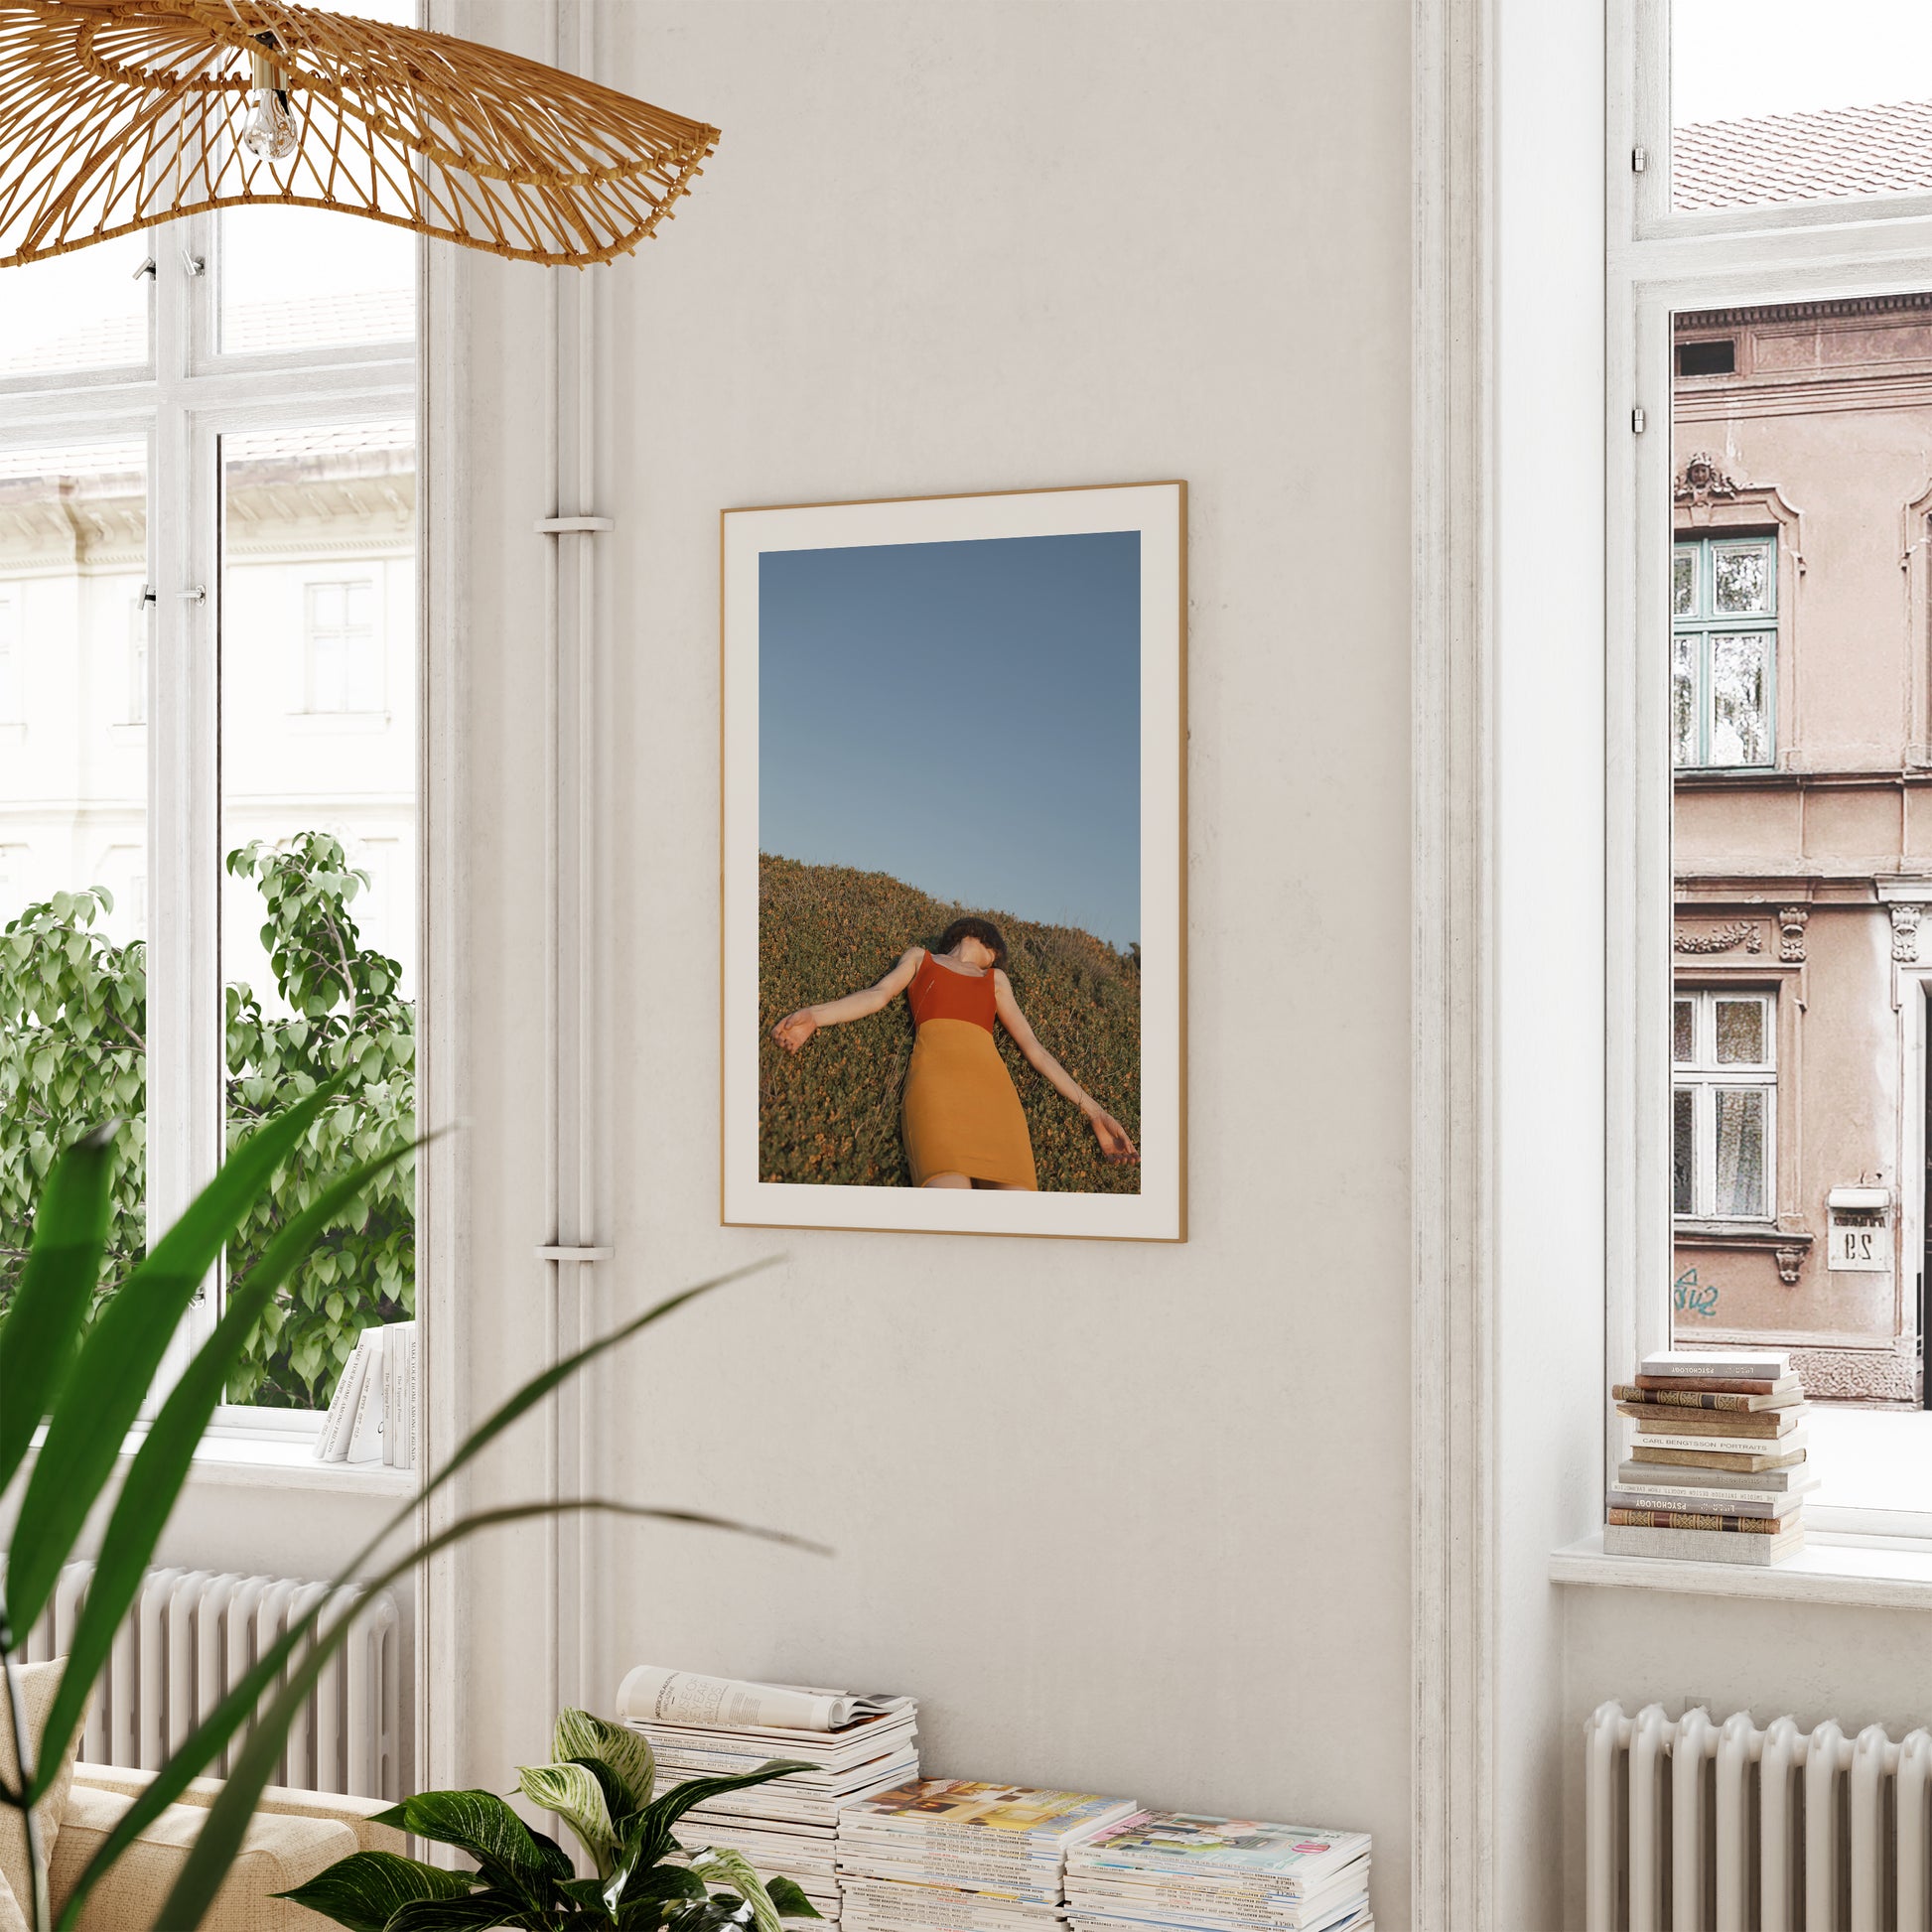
point(271, 132)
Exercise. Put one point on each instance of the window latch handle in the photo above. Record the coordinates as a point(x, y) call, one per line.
point(198, 595)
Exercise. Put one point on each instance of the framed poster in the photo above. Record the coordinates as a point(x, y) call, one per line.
point(954, 982)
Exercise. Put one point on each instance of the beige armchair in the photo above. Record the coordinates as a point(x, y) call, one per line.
point(294, 1835)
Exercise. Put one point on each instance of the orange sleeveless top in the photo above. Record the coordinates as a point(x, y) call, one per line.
point(938, 993)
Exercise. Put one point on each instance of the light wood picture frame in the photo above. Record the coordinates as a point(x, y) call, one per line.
point(942, 713)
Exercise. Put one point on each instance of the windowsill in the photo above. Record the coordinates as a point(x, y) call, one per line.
point(1870, 1572)
point(1737, 1234)
point(277, 1454)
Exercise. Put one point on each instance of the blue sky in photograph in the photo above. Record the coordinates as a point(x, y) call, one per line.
point(964, 716)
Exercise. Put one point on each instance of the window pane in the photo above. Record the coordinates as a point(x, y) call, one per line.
point(1682, 1160)
point(83, 311)
point(1740, 725)
point(1684, 701)
point(1741, 1153)
point(1740, 1033)
point(1777, 104)
point(73, 788)
point(318, 825)
point(303, 278)
point(1684, 584)
point(1683, 1035)
point(1740, 579)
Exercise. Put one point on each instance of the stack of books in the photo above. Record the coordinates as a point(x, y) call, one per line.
point(372, 1415)
point(1717, 1469)
point(943, 1855)
point(1181, 1869)
point(787, 1828)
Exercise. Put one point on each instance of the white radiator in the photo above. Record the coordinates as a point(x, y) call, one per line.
point(192, 1635)
point(1695, 1825)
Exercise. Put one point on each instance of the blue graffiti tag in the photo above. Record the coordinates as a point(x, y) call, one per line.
point(1691, 1297)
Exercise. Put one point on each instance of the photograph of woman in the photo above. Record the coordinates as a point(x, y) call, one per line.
point(952, 831)
point(960, 1113)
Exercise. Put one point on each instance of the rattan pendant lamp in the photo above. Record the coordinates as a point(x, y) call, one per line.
point(117, 114)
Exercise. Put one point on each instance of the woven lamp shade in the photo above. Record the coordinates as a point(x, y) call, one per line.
point(116, 114)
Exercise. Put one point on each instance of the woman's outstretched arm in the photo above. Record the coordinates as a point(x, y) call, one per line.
point(1117, 1150)
point(792, 1031)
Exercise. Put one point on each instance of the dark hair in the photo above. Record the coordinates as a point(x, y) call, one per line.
point(984, 931)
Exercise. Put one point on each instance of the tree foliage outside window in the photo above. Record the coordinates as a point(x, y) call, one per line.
point(73, 1053)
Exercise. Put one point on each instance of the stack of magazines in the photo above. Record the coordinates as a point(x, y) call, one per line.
point(1716, 1468)
point(1172, 1869)
point(708, 1726)
point(940, 1854)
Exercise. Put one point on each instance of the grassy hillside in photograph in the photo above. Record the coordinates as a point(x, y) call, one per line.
point(831, 1115)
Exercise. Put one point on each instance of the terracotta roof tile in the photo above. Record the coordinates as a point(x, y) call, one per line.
point(1823, 156)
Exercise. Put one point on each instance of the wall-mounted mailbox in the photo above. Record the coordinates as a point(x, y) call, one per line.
point(1859, 1220)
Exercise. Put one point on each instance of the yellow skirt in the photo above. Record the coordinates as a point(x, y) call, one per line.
point(961, 1114)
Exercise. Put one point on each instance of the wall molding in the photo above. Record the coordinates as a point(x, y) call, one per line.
point(1453, 1130)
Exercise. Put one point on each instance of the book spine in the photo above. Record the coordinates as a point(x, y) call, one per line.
point(1719, 1385)
point(391, 1408)
point(1765, 1426)
point(1697, 1546)
point(1730, 1502)
point(365, 1434)
point(331, 1422)
point(341, 1409)
point(1686, 1519)
point(1632, 1393)
point(1670, 1439)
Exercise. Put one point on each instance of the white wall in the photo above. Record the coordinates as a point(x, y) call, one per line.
point(1129, 1518)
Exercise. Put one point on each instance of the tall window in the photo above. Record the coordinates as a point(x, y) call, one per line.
point(1723, 651)
point(1722, 1101)
point(214, 480)
point(1771, 579)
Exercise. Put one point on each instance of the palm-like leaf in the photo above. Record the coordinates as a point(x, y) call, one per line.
point(93, 1392)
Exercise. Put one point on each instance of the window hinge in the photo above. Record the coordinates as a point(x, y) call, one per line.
point(1639, 160)
point(566, 526)
point(147, 594)
point(1637, 419)
point(559, 1253)
point(195, 264)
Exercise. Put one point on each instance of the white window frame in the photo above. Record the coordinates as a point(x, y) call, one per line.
point(1658, 264)
point(1707, 627)
point(181, 404)
point(1704, 1077)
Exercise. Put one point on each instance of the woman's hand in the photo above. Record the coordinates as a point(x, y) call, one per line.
point(1114, 1148)
point(792, 1031)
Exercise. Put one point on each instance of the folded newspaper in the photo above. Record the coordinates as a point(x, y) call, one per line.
point(652, 1695)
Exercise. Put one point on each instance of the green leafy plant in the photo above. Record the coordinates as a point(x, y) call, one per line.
point(73, 1050)
point(832, 1113)
point(600, 1784)
point(87, 1383)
